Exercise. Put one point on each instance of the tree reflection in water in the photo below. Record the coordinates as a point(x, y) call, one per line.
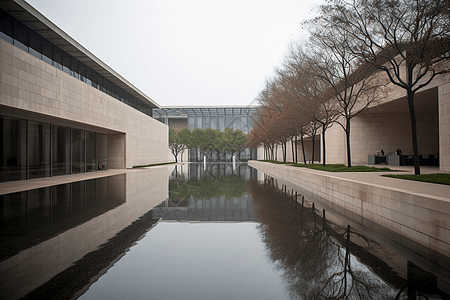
point(314, 254)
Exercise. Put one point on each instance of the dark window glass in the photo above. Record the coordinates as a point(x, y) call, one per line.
point(102, 83)
point(13, 150)
point(102, 151)
point(82, 71)
point(78, 151)
point(66, 63)
point(20, 35)
point(38, 150)
point(91, 151)
point(47, 51)
point(6, 27)
point(57, 57)
point(60, 150)
point(115, 92)
point(94, 79)
point(35, 44)
point(108, 86)
point(74, 68)
point(88, 75)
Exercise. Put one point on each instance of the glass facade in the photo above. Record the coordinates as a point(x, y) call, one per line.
point(32, 150)
point(214, 118)
point(21, 36)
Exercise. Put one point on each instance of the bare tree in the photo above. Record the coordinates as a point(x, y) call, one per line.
point(311, 93)
point(349, 81)
point(406, 39)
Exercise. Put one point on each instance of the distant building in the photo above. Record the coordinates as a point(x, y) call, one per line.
point(214, 117)
point(62, 110)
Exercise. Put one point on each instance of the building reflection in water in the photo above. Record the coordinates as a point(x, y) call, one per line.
point(65, 235)
point(217, 193)
point(321, 256)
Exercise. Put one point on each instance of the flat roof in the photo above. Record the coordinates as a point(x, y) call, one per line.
point(28, 15)
point(206, 111)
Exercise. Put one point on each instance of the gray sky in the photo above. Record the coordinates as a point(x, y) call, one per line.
point(186, 52)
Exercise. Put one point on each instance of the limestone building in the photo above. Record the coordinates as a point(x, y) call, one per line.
point(62, 110)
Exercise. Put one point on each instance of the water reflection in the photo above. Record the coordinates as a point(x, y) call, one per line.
point(116, 238)
point(322, 258)
point(215, 193)
point(57, 240)
point(33, 216)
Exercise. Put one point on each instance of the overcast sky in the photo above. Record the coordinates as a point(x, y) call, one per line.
point(186, 52)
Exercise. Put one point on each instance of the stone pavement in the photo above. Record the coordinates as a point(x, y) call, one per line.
point(415, 187)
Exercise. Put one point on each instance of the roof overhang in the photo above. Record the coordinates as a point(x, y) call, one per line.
point(27, 14)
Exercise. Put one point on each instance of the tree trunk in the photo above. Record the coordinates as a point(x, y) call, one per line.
point(296, 150)
point(303, 149)
point(313, 148)
point(347, 133)
point(412, 116)
point(292, 148)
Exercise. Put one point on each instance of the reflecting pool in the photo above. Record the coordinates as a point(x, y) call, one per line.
point(196, 232)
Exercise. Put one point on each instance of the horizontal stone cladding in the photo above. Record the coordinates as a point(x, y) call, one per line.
point(444, 127)
point(422, 218)
point(33, 86)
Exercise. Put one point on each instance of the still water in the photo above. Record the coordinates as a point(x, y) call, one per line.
point(195, 233)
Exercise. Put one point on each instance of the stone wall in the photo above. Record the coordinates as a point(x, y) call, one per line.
point(35, 90)
point(419, 217)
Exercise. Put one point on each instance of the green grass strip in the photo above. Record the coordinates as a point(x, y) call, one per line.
point(161, 164)
point(439, 178)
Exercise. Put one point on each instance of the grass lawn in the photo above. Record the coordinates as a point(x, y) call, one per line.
point(439, 178)
point(167, 163)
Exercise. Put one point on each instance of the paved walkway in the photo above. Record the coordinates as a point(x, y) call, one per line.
point(415, 187)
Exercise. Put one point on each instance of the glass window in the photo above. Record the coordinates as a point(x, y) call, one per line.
point(94, 79)
point(74, 68)
point(78, 151)
point(60, 150)
point(221, 123)
point(206, 122)
point(6, 27)
point(214, 123)
point(191, 123)
point(35, 45)
point(66, 62)
point(20, 35)
point(102, 151)
point(57, 57)
point(13, 134)
point(82, 71)
point(228, 122)
point(38, 150)
point(88, 75)
point(244, 124)
point(47, 51)
point(91, 151)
